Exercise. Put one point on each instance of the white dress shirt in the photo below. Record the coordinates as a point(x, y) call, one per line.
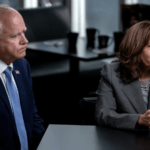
point(3, 66)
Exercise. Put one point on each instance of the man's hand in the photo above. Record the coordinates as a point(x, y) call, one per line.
point(144, 119)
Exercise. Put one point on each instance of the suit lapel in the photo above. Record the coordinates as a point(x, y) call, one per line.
point(22, 92)
point(21, 88)
point(134, 94)
point(5, 99)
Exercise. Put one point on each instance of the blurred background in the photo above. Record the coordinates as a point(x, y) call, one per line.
point(57, 92)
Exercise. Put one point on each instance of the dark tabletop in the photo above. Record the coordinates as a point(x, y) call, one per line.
point(60, 47)
point(78, 137)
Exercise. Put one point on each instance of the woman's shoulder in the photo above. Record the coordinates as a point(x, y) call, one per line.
point(109, 71)
point(110, 74)
point(112, 67)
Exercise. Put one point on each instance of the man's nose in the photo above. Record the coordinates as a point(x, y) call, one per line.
point(23, 40)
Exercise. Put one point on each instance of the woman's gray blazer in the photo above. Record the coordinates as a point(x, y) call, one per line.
point(119, 104)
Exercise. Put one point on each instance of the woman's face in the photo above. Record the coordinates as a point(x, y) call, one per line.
point(145, 55)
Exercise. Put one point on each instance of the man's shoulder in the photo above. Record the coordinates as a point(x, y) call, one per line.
point(22, 65)
point(21, 62)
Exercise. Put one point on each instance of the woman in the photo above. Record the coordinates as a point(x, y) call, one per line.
point(123, 94)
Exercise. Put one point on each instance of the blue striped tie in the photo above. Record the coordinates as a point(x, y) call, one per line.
point(15, 101)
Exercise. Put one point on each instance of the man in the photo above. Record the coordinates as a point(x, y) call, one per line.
point(20, 126)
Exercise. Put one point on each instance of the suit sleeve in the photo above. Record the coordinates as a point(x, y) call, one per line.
point(38, 124)
point(106, 108)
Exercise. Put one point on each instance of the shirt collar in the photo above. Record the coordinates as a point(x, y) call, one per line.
point(3, 66)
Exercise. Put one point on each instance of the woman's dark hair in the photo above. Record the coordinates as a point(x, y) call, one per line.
point(131, 47)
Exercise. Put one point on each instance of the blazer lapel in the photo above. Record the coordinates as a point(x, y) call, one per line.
point(134, 94)
point(5, 99)
point(20, 87)
point(22, 92)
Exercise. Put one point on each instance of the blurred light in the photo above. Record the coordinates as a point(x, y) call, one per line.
point(129, 2)
point(34, 3)
point(30, 4)
point(78, 17)
point(75, 15)
point(82, 18)
point(45, 3)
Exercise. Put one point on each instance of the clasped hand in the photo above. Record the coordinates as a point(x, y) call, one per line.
point(144, 119)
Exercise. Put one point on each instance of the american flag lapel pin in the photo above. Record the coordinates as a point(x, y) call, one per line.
point(17, 72)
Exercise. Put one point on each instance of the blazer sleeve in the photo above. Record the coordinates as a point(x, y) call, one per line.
point(38, 123)
point(106, 108)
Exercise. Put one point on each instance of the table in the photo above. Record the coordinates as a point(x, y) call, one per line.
point(59, 47)
point(79, 137)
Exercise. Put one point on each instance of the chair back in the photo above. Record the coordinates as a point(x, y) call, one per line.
point(87, 107)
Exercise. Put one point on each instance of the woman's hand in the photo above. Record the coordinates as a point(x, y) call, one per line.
point(144, 119)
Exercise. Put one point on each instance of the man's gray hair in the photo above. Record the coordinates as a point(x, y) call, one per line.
point(5, 8)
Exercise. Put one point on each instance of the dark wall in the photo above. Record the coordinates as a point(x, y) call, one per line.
point(46, 23)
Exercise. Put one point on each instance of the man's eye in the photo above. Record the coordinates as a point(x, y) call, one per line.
point(13, 37)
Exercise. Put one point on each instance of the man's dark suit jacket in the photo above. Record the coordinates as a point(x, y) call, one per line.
point(9, 139)
point(119, 104)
